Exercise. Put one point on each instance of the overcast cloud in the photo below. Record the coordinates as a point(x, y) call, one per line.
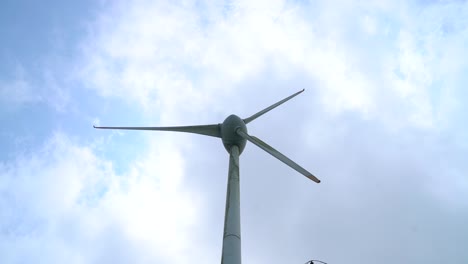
point(382, 123)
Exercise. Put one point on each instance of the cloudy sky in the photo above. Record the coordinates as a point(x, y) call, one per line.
point(382, 123)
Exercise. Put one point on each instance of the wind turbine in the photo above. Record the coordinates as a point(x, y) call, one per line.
point(233, 132)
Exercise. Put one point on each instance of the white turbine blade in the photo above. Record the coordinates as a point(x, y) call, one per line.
point(253, 117)
point(207, 130)
point(277, 155)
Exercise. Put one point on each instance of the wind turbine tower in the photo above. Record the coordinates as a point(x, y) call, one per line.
point(233, 132)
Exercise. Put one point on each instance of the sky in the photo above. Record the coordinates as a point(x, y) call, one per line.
point(382, 123)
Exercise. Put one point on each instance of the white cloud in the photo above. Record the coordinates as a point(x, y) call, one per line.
point(65, 204)
point(17, 91)
point(145, 52)
point(24, 88)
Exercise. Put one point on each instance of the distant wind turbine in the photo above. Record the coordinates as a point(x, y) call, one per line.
point(233, 132)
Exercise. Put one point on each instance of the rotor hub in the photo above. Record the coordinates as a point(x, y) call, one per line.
point(229, 133)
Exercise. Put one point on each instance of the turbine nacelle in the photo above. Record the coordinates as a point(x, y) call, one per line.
point(229, 134)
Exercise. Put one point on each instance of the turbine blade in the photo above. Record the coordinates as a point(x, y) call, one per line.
point(207, 130)
point(277, 155)
point(255, 116)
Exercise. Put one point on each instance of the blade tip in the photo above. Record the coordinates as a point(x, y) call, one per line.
point(313, 178)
